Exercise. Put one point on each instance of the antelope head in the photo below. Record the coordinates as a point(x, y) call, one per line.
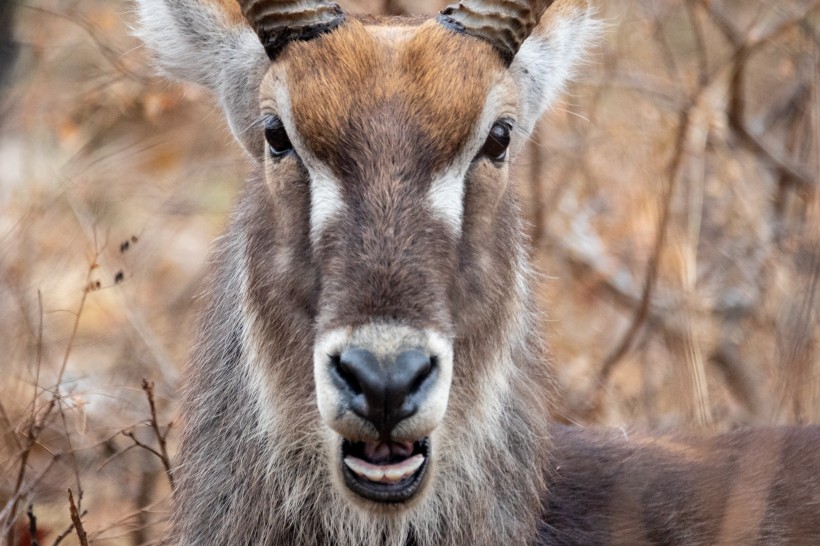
point(399, 135)
point(386, 146)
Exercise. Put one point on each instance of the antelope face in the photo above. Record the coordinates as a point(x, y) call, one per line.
point(388, 147)
point(385, 128)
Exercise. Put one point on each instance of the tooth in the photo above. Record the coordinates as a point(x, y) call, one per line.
point(412, 464)
point(363, 469)
point(355, 465)
point(385, 473)
point(394, 474)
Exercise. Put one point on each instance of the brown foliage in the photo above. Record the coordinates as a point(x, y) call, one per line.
point(674, 210)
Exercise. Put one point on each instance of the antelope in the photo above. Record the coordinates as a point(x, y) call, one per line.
point(370, 368)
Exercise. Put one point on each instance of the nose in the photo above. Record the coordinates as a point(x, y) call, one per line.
point(384, 391)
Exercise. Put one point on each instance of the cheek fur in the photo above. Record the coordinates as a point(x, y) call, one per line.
point(289, 186)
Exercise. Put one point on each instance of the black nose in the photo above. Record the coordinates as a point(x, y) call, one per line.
point(384, 391)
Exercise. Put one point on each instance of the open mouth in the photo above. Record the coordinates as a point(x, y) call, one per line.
point(388, 472)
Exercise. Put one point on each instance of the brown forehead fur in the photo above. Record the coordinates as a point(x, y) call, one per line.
point(404, 86)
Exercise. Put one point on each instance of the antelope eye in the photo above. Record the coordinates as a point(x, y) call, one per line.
point(497, 143)
point(278, 142)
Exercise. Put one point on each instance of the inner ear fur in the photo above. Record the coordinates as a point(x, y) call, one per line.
point(550, 57)
point(207, 42)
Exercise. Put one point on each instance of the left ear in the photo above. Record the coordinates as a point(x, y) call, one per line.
point(549, 58)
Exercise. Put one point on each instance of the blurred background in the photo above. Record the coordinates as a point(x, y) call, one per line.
point(671, 198)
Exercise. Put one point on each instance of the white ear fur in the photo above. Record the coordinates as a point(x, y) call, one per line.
point(549, 58)
point(194, 41)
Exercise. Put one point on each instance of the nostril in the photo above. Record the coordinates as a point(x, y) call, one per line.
point(423, 373)
point(383, 390)
point(343, 369)
point(412, 370)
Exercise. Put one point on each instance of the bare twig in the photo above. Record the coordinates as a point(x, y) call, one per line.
point(39, 360)
point(700, 43)
point(9, 509)
point(141, 445)
point(75, 519)
point(35, 427)
point(74, 466)
point(99, 534)
point(775, 156)
point(32, 526)
point(88, 287)
point(744, 47)
point(113, 56)
point(62, 536)
point(10, 426)
point(117, 454)
point(740, 379)
point(148, 387)
point(642, 312)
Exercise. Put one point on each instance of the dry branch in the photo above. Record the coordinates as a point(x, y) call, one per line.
point(744, 47)
point(9, 510)
point(32, 526)
point(75, 519)
point(35, 425)
point(62, 536)
point(623, 347)
point(110, 54)
point(141, 445)
point(640, 295)
point(148, 387)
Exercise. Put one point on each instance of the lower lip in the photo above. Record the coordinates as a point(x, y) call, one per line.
point(387, 493)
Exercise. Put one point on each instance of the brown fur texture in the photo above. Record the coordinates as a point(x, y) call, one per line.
point(275, 287)
point(397, 100)
point(380, 111)
point(389, 259)
point(756, 486)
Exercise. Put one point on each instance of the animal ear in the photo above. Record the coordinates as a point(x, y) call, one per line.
point(208, 42)
point(549, 58)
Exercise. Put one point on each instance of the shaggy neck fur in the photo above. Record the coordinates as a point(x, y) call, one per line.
point(256, 441)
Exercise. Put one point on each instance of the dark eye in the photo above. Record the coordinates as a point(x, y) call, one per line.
point(278, 141)
point(495, 148)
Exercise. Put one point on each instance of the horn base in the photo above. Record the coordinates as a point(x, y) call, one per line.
point(503, 23)
point(279, 23)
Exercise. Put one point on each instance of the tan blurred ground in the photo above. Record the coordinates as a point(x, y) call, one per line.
point(658, 159)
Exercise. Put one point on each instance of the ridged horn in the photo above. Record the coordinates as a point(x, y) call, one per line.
point(279, 22)
point(503, 23)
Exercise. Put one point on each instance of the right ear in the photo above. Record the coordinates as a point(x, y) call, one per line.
point(208, 42)
point(549, 58)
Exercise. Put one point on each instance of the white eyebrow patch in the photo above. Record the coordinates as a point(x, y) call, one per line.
point(446, 194)
point(325, 190)
point(325, 199)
